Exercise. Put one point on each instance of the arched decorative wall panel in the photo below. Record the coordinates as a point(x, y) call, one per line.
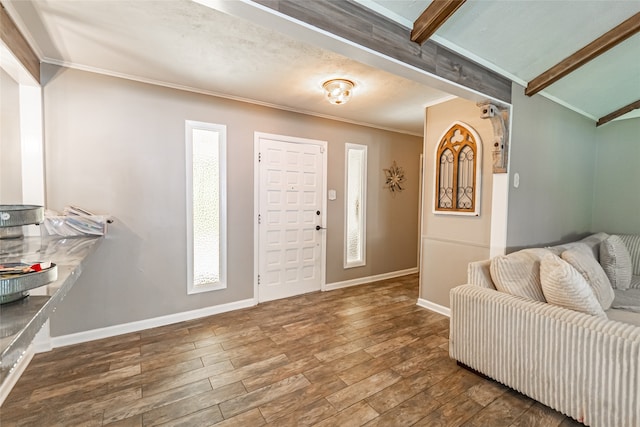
point(458, 164)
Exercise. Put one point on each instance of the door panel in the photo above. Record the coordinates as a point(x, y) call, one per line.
point(290, 196)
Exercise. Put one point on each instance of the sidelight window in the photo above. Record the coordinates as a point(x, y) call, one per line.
point(355, 205)
point(206, 206)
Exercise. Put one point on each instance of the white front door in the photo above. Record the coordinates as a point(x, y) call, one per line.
point(291, 216)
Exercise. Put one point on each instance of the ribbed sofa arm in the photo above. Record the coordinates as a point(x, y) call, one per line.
point(583, 366)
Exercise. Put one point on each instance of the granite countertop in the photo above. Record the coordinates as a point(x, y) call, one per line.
point(20, 321)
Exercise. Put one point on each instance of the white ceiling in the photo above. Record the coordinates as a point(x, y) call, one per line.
point(184, 44)
point(521, 39)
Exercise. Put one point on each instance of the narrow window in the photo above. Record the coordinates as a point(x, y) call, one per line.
point(206, 206)
point(457, 171)
point(355, 205)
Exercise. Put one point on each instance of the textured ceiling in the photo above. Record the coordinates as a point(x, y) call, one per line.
point(184, 44)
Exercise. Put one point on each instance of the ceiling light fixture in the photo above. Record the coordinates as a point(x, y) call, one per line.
point(338, 90)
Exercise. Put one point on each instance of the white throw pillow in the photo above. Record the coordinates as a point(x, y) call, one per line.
point(616, 262)
point(632, 243)
point(581, 258)
point(519, 273)
point(564, 286)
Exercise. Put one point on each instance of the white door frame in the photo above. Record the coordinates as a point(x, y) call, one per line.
point(256, 204)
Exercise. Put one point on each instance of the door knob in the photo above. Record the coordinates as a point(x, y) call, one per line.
point(320, 228)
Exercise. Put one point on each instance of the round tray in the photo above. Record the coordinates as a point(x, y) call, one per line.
point(16, 287)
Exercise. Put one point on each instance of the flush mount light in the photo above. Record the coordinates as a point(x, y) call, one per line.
point(338, 91)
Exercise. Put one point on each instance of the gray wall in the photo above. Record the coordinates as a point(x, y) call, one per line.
point(116, 146)
point(616, 206)
point(10, 146)
point(553, 150)
point(450, 242)
point(392, 221)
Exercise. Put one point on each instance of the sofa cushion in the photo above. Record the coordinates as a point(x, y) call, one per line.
point(582, 259)
point(519, 273)
point(624, 316)
point(564, 286)
point(632, 242)
point(616, 262)
point(627, 300)
point(479, 274)
point(593, 242)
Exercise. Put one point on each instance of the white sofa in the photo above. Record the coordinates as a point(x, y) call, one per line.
point(583, 365)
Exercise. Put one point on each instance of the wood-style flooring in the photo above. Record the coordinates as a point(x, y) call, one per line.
point(365, 355)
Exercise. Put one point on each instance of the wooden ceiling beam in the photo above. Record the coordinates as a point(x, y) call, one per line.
point(15, 41)
point(619, 112)
point(432, 18)
point(352, 21)
point(597, 47)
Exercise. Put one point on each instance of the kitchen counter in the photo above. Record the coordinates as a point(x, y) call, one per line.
point(21, 320)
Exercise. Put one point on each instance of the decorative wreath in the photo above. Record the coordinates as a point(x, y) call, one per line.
point(394, 178)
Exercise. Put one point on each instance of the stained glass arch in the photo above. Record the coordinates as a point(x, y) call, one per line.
point(458, 164)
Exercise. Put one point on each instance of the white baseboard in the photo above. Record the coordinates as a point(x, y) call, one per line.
point(441, 309)
point(14, 375)
point(369, 279)
point(111, 331)
point(126, 328)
